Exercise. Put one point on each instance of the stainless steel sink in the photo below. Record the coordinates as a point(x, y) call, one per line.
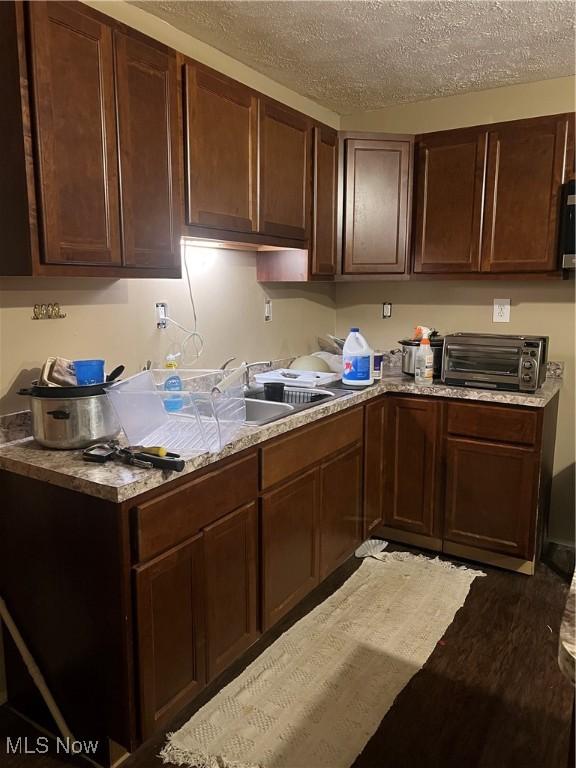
point(260, 412)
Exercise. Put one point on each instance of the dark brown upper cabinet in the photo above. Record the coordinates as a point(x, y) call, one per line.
point(487, 198)
point(73, 87)
point(323, 262)
point(221, 139)
point(450, 173)
point(376, 204)
point(92, 127)
point(319, 261)
point(147, 104)
point(285, 171)
point(527, 164)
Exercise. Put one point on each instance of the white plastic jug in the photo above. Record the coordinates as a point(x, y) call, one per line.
point(358, 360)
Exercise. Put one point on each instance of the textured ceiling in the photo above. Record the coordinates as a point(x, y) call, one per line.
point(352, 55)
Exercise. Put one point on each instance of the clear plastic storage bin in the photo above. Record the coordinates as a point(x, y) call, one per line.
point(207, 421)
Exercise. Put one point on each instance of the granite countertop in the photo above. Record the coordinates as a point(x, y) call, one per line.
point(119, 482)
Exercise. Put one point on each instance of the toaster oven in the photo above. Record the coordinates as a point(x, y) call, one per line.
point(495, 361)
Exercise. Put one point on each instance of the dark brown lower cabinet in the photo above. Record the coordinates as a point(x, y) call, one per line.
point(411, 469)
point(290, 545)
point(341, 509)
point(171, 632)
point(374, 457)
point(231, 567)
point(468, 478)
point(491, 493)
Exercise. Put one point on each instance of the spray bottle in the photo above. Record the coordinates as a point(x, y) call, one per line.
point(424, 364)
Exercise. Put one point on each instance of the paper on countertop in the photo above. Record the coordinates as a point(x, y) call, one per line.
point(292, 378)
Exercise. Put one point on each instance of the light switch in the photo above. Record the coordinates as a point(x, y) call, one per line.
point(501, 312)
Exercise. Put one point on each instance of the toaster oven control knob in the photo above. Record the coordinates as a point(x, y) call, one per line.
point(526, 377)
point(528, 364)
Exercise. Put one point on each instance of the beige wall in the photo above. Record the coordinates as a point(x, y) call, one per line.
point(196, 49)
point(545, 97)
point(116, 319)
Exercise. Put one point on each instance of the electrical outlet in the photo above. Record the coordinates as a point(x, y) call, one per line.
point(267, 311)
point(386, 310)
point(501, 313)
point(161, 314)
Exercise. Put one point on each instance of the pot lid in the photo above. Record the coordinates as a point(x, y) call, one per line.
point(435, 341)
point(61, 393)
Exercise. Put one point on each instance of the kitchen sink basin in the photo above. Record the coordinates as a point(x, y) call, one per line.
point(260, 412)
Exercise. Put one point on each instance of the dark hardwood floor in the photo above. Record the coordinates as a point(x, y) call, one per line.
point(490, 695)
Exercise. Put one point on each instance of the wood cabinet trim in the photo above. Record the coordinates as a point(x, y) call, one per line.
point(318, 267)
point(525, 503)
point(163, 520)
point(196, 79)
point(275, 602)
point(138, 251)
point(216, 605)
point(153, 713)
point(57, 249)
point(285, 456)
point(402, 229)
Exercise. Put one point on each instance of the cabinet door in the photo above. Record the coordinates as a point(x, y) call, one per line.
point(230, 556)
point(221, 137)
point(341, 509)
point(526, 162)
point(75, 125)
point(449, 193)
point(491, 496)
point(285, 172)
point(377, 206)
point(374, 462)
point(289, 545)
point(170, 628)
point(148, 145)
point(325, 194)
point(412, 465)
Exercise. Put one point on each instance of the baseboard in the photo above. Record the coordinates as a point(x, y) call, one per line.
point(407, 537)
point(508, 562)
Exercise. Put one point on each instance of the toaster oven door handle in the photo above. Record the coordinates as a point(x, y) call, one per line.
point(463, 348)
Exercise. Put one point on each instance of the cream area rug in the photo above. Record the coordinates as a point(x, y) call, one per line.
point(315, 697)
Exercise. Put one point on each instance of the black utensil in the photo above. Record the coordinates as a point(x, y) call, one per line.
point(118, 371)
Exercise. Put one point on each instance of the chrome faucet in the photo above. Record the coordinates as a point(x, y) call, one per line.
point(267, 363)
point(230, 360)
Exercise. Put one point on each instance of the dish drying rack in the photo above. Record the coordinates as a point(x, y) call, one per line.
point(209, 419)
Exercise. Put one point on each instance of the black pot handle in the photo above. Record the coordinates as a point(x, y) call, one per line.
point(59, 415)
point(26, 392)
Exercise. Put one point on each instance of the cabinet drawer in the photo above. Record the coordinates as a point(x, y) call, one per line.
point(493, 422)
point(310, 445)
point(169, 519)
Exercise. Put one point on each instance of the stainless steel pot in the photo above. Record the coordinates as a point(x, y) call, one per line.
point(410, 348)
point(71, 417)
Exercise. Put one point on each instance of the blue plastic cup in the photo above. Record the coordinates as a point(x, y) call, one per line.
point(89, 372)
